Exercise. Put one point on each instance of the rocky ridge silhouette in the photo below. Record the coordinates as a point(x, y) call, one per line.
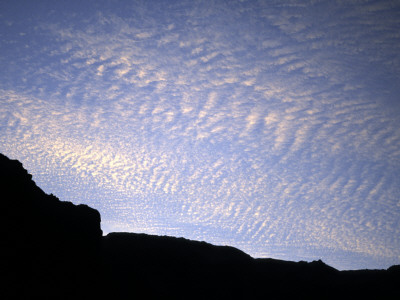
point(55, 249)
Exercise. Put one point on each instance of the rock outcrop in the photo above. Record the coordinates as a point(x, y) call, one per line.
point(50, 248)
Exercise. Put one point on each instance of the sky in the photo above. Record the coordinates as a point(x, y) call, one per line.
point(270, 126)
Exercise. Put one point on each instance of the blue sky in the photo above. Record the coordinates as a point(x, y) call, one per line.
point(271, 126)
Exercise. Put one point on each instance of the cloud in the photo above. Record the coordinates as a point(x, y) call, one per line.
point(258, 132)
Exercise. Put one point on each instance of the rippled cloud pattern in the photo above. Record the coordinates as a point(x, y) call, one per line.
point(271, 126)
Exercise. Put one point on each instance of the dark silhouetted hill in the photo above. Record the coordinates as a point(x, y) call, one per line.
point(55, 250)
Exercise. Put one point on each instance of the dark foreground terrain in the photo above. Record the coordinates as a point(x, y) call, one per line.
point(55, 250)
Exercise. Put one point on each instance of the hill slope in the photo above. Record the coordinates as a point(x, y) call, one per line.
point(55, 249)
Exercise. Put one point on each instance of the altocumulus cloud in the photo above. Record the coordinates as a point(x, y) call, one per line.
point(268, 126)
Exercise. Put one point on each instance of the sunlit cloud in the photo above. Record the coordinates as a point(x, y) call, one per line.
point(265, 128)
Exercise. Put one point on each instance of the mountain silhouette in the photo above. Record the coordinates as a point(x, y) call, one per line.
point(55, 249)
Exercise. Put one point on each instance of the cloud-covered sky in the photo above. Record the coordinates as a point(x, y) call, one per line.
point(271, 126)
